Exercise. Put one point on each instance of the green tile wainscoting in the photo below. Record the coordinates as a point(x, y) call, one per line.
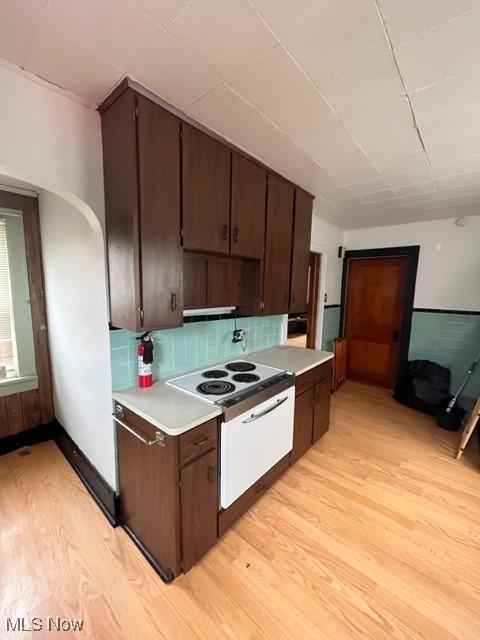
point(331, 326)
point(449, 339)
point(196, 344)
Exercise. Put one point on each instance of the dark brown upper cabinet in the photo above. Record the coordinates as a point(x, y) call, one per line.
point(141, 149)
point(249, 191)
point(278, 244)
point(206, 192)
point(302, 229)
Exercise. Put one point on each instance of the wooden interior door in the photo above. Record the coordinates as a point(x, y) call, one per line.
point(206, 192)
point(374, 312)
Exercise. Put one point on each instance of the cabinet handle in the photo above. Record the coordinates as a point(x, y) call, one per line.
point(225, 232)
point(173, 301)
point(236, 234)
point(200, 441)
point(211, 471)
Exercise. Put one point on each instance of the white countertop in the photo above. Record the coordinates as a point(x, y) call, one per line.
point(294, 359)
point(174, 411)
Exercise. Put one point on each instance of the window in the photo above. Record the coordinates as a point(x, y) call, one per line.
point(17, 350)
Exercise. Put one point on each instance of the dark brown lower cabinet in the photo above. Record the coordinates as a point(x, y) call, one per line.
point(149, 500)
point(321, 412)
point(302, 432)
point(199, 504)
point(312, 408)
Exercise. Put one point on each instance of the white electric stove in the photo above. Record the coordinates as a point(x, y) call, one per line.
point(257, 424)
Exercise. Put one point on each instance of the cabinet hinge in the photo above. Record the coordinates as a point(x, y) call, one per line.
point(140, 314)
point(262, 305)
point(181, 233)
point(135, 115)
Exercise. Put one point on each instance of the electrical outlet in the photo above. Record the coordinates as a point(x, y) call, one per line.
point(325, 297)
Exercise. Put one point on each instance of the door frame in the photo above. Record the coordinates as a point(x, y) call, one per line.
point(314, 283)
point(411, 253)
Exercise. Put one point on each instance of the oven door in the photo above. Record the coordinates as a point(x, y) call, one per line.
point(253, 442)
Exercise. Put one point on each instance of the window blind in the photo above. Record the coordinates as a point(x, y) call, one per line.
point(6, 310)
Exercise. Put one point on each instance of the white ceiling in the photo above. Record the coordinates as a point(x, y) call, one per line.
point(372, 105)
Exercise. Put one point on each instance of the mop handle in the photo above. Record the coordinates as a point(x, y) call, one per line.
point(453, 401)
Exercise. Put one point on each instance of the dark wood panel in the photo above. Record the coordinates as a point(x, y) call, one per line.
point(148, 478)
point(206, 192)
point(36, 283)
point(194, 281)
point(228, 516)
point(302, 229)
point(304, 381)
point(249, 191)
point(198, 441)
point(4, 428)
point(321, 414)
point(14, 413)
point(121, 210)
point(339, 375)
point(224, 282)
point(276, 280)
point(303, 424)
point(30, 401)
point(199, 491)
point(159, 185)
point(323, 371)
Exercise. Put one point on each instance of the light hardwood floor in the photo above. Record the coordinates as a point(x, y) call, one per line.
point(375, 533)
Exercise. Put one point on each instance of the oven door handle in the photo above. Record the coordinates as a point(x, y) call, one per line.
point(255, 416)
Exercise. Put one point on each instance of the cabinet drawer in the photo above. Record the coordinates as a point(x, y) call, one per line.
point(197, 441)
point(304, 381)
point(323, 371)
point(228, 516)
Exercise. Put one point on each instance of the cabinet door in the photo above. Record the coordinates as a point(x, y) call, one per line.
point(206, 192)
point(199, 496)
point(249, 191)
point(121, 211)
point(224, 282)
point(194, 281)
point(149, 496)
point(159, 184)
point(303, 423)
point(278, 245)
point(321, 415)
point(302, 229)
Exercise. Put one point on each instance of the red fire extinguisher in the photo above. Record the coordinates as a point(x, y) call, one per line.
point(145, 360)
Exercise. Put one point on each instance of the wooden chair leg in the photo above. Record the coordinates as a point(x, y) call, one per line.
point(469, 429)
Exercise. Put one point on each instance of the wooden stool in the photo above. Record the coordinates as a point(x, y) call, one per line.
point(469, 429)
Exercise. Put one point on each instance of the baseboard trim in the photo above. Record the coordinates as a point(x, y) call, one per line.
point(29, 437)
point(95, 483)
point(166, 576)
point(103, 494)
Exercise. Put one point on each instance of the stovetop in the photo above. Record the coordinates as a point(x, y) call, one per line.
point(228, 383)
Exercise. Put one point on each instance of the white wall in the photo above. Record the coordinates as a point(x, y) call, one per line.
point(326, 238)
point(54, 144)
point(449, 263)
point(79, 341)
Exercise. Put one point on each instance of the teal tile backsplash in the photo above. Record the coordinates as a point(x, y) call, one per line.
point(331, 327)
point(196, 344)
point(449, 339)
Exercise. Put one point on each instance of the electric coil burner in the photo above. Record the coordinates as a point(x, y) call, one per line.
point(246, 377)
point(215, 373)
point(232, 385)
point(241, 366)
point(216, 387)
